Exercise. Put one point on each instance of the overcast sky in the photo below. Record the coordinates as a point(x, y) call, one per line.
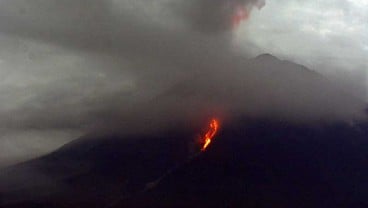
point(67, 67)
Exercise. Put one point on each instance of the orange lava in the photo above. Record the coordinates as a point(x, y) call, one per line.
point(213, 128)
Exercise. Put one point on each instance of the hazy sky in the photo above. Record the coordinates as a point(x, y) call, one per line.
point(68, 67)
point(330, 36)
point(314, 30)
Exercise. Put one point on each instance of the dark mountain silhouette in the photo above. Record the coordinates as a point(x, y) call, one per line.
point(271, 164)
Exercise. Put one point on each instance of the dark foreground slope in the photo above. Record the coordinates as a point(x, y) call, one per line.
point(250, 164)
point(92, 171)
point(271, 165)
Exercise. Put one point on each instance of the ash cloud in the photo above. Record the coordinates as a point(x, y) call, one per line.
point(131, 66)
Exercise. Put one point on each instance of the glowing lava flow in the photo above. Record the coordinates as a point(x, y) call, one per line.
point(214, 125)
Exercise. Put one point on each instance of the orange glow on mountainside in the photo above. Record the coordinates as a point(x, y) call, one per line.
point(210, 134)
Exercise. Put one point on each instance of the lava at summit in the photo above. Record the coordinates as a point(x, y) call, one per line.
point(239, 15)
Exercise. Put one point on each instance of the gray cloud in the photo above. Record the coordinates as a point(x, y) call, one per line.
point(20, 145)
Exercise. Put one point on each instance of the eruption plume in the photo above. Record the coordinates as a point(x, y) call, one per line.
point(214, 16)
point(239, 15)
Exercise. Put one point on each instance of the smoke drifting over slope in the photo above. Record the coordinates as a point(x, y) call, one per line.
point(131, 65)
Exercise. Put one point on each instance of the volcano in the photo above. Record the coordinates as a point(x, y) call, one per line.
point(252, 162)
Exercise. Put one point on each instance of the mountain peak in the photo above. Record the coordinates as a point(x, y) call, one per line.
point(266, 56)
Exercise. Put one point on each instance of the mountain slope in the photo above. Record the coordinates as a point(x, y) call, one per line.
point(266, 87)
point(92, 168)
point(265, 164)
point(249, 164)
